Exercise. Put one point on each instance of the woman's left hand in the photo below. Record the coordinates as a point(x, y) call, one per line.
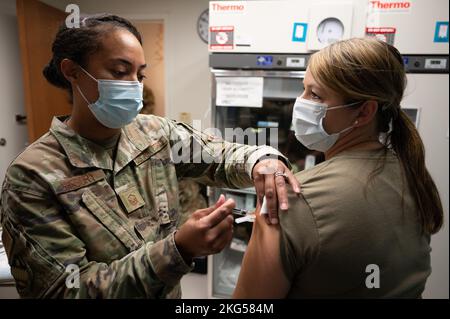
point(271, 177)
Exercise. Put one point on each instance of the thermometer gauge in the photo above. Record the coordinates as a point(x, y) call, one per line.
point(330, 30)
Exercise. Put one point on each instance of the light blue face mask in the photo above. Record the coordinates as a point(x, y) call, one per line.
point(119, 102)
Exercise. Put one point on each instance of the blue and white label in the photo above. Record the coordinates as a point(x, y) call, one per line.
point(299, 32)
point(441, 32)
point(405, 61)
point(264, 60)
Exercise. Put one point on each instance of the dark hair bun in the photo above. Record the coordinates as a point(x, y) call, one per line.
point(54, 76)
point(77, 44)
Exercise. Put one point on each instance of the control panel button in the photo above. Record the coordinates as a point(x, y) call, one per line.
point(435, 63)
point(295, 62)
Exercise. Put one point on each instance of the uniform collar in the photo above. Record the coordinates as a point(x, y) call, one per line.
point(84, 153)
point(133, 141)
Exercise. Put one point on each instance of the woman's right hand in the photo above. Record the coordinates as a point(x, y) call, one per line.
point(207, 231)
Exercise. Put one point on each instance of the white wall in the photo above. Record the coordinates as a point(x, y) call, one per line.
point(11, 88)
point(186, 56)
point(12, 103)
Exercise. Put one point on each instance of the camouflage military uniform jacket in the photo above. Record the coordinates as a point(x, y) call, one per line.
point(66, 202)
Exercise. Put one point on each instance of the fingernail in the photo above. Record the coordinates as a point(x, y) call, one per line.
point(274, 221)
point(284, 206)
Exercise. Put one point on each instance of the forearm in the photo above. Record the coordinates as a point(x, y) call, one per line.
point(239, 163)
point(211, 160)
point(149, 272)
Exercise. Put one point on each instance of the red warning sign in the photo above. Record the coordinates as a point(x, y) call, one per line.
point(221, 38)
point(385, 34)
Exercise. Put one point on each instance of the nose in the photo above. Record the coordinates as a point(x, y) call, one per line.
point(134, 77)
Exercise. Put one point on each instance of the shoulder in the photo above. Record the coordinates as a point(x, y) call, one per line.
point(325, 189)
point(300, 219)
point(343, 175)
point(339, 166)
point(43, 157)
point(158, 127)
point(299, 235)
point(150, 123)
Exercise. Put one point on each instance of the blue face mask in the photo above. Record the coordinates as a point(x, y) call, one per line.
point(119, 102)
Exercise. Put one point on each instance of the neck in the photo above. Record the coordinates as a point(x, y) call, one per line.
point(87, 126)
point(354, 141)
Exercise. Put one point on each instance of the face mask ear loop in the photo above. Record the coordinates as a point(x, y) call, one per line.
point(88, 74)
point(347, 129)
point(353, 126)
point(342, 106)
point(82, 95)
point(78, 87)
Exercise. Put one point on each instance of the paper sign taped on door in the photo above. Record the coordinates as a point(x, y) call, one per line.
point(240, 91)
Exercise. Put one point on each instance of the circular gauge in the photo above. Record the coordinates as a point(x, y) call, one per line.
point(330, 30)
point(203, 26)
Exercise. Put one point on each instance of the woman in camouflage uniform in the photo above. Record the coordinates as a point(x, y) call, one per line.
point(91, 210)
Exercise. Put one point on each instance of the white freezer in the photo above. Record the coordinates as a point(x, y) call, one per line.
point(295, 26)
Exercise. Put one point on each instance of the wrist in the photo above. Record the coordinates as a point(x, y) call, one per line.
point(187, 256)
point(276, 157)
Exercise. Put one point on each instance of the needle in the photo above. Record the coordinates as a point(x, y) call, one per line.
point(245, 216)
point(240, 212)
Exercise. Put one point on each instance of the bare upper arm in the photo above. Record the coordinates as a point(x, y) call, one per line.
point(262, 274)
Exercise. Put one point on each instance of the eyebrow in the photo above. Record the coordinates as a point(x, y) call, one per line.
point(128, 63)
point(312, 86)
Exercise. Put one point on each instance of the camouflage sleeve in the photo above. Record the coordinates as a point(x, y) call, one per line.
point(44, 251)
point(211, 160)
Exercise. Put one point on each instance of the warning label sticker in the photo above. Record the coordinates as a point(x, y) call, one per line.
point(221, 38)
point(385, 34)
